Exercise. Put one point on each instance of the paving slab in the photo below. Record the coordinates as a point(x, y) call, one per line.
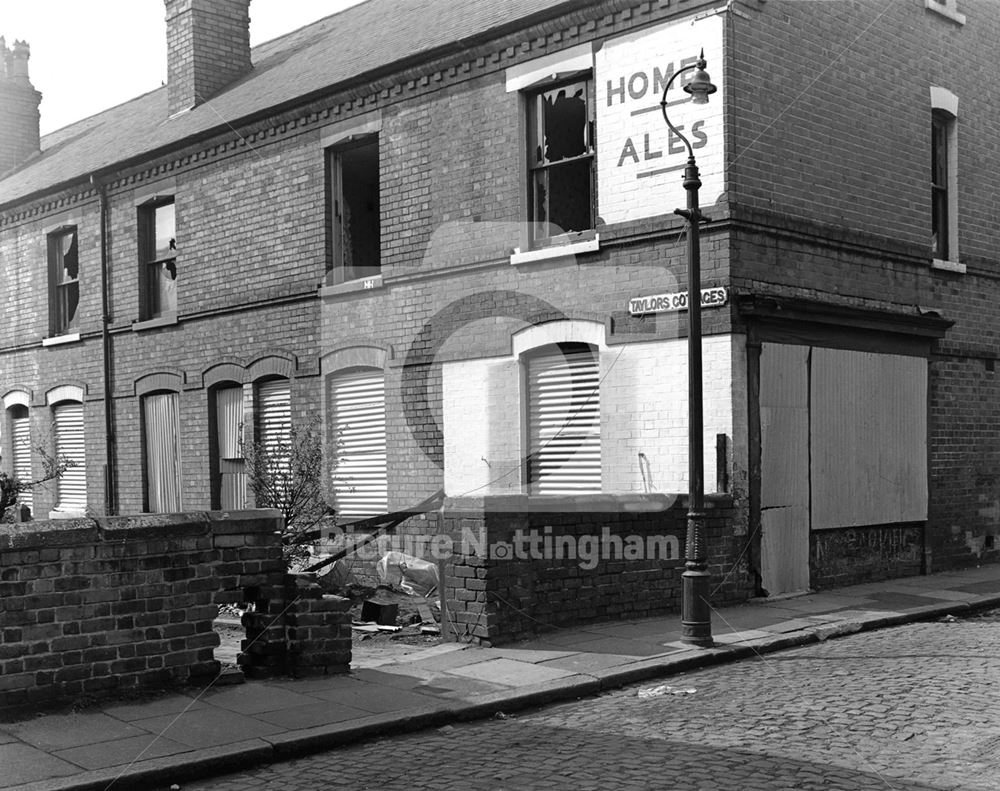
point(254, 698)
point(167, 704)
point(984, 586)
point(313, 715)
point(899, 600)
point(945, 595)
point(22, 763)
point(742, 637)
point(794, 625)
point(122, 751)
point(528, 654)
point(824, 602)
point(584, 663)
point(209, 727)
point(59, 732)
point(447, 686)
point(510, 672)
point(375, 699)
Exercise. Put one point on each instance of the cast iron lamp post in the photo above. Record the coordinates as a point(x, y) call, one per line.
point(696, 617)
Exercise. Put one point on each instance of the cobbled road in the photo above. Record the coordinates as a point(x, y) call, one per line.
point(915, 707)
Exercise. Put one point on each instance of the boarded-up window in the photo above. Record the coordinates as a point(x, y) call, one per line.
point(868, 438)
point(161, 426)
point(231, 483)
point(20, 439)
point(274, 420)
point(357, 422)
point(564, 420)
point(71, 487)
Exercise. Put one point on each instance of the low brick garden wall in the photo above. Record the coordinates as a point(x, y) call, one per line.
point(95, 606)
point(523, 565)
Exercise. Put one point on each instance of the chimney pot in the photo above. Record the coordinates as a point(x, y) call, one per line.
point(19, 133)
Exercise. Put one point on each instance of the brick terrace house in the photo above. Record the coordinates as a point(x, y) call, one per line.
point(431, 225)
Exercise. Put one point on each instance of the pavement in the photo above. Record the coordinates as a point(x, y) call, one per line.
point(177, 737)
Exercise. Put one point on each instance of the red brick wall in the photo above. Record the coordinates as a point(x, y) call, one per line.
point(93, 607)
point(495, 599)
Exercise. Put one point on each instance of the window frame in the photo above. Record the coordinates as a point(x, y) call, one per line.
point(177, 455)
point(221, 466)
point(61, 324)
point(338, 272)
point(151, 296)
point(944, 186)
point(532, 99)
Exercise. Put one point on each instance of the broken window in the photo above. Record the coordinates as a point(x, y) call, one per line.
point(64, 283)
point(355, 229)
point(561, 160)
point(942, 126)
point(158, 245)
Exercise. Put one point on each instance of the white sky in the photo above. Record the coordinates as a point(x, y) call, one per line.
point(89, 55)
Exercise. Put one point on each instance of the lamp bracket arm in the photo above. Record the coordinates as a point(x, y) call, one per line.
point(663, 106)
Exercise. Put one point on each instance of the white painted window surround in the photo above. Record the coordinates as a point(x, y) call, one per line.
point(947, 8)
point(550, 68)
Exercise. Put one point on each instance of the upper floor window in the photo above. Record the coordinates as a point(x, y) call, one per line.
point(355, 230)
point(939, 185)
point(561, 160)
point(158, 259)
point(64, 281)
point(944, 178)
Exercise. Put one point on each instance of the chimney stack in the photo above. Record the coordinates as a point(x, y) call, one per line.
point(208, 48)
point(19, 101)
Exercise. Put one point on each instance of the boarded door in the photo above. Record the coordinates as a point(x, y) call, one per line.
point(784, 492)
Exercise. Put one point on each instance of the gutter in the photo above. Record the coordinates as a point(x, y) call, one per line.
point(110, 489)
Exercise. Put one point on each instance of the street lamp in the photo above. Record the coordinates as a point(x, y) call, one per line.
point(696, 618)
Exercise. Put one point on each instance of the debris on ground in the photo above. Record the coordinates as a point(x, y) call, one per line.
point(407, 573)
point(948, 619)
point(664, 689)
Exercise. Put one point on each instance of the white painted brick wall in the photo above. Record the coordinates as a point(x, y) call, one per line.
point(635, 115)
point(643, 410)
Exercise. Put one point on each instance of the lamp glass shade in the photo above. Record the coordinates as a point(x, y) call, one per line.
point(700, 87)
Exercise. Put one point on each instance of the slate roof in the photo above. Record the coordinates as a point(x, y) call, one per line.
point(332, 51)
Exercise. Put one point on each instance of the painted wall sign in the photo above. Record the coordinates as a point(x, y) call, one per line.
point(640, 161)
point(668, 303)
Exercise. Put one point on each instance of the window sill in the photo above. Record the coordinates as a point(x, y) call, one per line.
point(554, 251)
point(948, 266)
point(944, 10)
point(58, 340)
point(351, 286)
point(151, 324)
